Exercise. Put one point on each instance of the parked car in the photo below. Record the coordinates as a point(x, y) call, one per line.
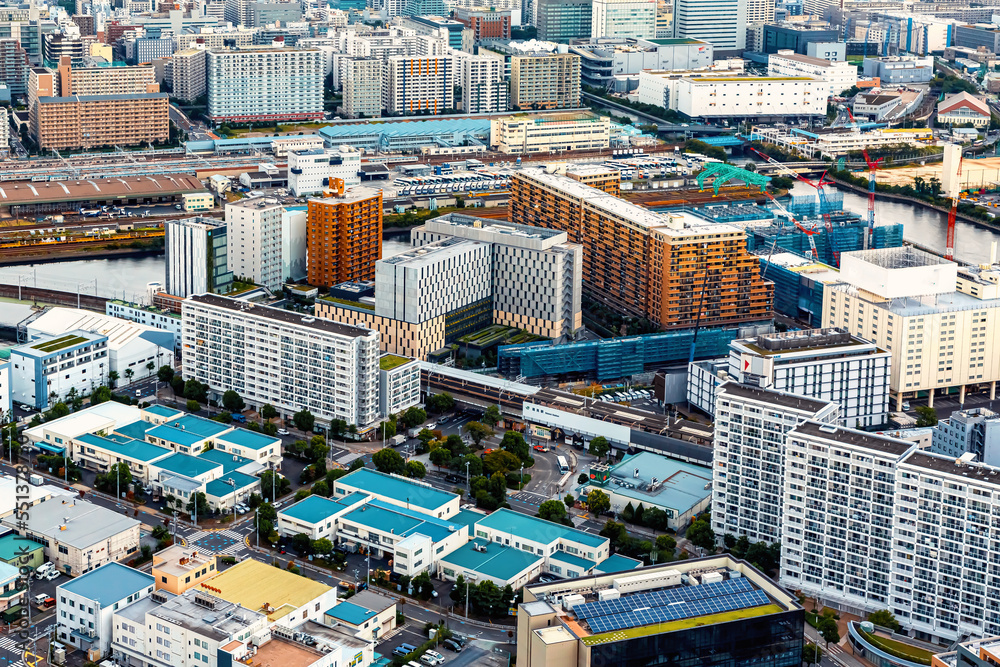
point(51, 574)
point(452, 645)
point(431, 658)
point(540, 448)
point(282, 431)
point(404, 649)
point(454, 479)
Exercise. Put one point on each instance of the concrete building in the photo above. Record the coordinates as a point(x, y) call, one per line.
point(45, 370)
point(721, 22)
point(545, 81)
point(583, 621)
point(14, 66)
point(259, 84)
point(398, 384)
point(749, 465)
point(560, 21)
point(369, 614)
point(839, 75)
point(944, 319)
point(105, 80)
point(77, 535)
point(976, 35)
point(188, 74)
point(751, 97)
point(900, 70)
point(484, 85)
point(362, 87)
point(311, 172)
point(418, 84)
point(83, 121)
point(253, 231)
point(797, 36)
point(150, 316)
point(293, 243)
point(615, 64)
point(620, 239)
point(344, 236)
point(343, 384)
point(485, 22)
point(828, 365)
point(85, 606)
point(635, 19)
point(550, 132)
point(963, 108)
point(976, 431)
point(197, 257)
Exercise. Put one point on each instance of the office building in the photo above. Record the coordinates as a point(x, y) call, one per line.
point(58, 45)
point(900, 70)
point(177, 568)
point(615, 64)
point(759, 12)
point(545, 81)
point(976, 431)
point(85, 606)
point(751, 97)
point(14, 67)
point(485, 22)
point(398, 384)
point(826, 364)
point(311, 172)
point(620, 241)
point(45, 370)
point(840, 75)
point(549, 133)
point(271, 13)
point(362, 87)
point(146, 50)
point(105, 80)
point(937, 321)
point(265, 84)
point(717, 607)
point(344, 236)
point(414, 85)
point(5, 131)
point(188, 74)
point(635, 19)
point(560, 21)
point(749, 464)
point(484, 85)
point(973, 36)
point(721, 22)
point(329, 369)
point(253, 241)
point(197, 257)
point(468, 274)
point(78, 536)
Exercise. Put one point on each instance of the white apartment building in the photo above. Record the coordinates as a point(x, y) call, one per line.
point(44, 371)
point(188, 73)
point(293, 242)
point(750, 97)
point(550, 132)
point(6, 395)
point(484, 85)
point(312, 171)
point(759, 12)
point(825, 364)
point(840, 75)
point(196, 256)
point(939, 323)
point(749, 466)
point(721, 22)
point(254, 248)
point(362, 87)
point(327, 368)
point(4, 130)
point(623, 19)
point(86, 605)
point(398, 384)
point(412, 85)
point(255, 84)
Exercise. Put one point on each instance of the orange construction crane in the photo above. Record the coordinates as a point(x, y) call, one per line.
point(949, 246)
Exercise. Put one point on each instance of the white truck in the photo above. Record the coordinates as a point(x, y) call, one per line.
point(397, 440)
point(413, 432)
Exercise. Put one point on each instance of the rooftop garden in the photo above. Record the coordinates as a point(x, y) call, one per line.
point(354, 304)
point(60, 343)
point(897, 648)
point(390, 361)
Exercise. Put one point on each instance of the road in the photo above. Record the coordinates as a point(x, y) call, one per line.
point(196, 130)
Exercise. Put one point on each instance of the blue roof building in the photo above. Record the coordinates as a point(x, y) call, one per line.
point(231, 489)
point(93, 598)
point(264, 449)
point(400, 491)
point(408, 134)
point(480, 559)
point(104, 452)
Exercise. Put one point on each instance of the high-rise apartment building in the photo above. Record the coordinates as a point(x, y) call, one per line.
point(106, 80)
point(545, 81)
point(344, 236)
point(560, 21)
point(188, 74)
point(721, 22)
point(91, 121)
point(759, 12)
point(362, 87)
point(634, 19)
point(312, 171)
point(484, 85)
point(327, 368)
point(253, 231)
point(14, 67)
point(938, 321)
point(196, 257)
point(265, 84)
point(749, 464)
point(675, 270)
point(412, 85)
point(4, 131)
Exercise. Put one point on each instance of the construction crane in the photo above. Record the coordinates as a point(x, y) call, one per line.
point(949, 246)
point(872, 168)
point(810, 232)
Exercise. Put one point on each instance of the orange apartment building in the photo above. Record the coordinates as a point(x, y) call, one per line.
point(343, 236)
point(89, 121)
point(663, 267)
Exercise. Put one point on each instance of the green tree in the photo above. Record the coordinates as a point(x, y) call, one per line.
point(439, 403)
point(514, 443)
point(388, 460)
point(198, 500)
point(828, 630)
point(739, 550)
point(811, 654)
point(413, 417)
point(441, 456)
point(233, 402)
point(322, 547)
point(193, 405)
point(101, 395)
point(318, 449)
point(500, 461)
point(268, 428)
point(884, 618)
point(554, 511)
point(271, 480)
point(268, 412)
point(492, 416)
point(113, 377)
point(129, 374)
point(598, 502)
point(387, 429)
point(321, 488)
point(478, 431)
point(416, 469)
point(700, 533)
point(304, 420)
point(196, 391)
point(475, 465)
point(58, 411)
point(600, 446)
point(165, 374)
point(569, 501)
point(666, 543)
point(302, 544)
point(926, 416)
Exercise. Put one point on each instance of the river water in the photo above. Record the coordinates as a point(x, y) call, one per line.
point(126, 277)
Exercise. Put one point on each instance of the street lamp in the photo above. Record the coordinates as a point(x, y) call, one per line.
point(468, 486)
point(520, 484)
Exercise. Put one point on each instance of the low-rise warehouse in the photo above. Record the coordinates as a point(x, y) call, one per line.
point(25, 198)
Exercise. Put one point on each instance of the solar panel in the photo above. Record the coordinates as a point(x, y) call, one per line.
point(682, 609)
point(661, 598)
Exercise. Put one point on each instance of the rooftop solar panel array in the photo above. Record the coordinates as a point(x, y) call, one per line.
point(677, 610)
point(661, 598)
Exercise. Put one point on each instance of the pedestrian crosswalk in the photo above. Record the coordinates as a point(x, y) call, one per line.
point(221, 542)
point(529, 498)
point(11, 653)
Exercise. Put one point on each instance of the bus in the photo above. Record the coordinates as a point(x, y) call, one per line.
point(563, 465)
